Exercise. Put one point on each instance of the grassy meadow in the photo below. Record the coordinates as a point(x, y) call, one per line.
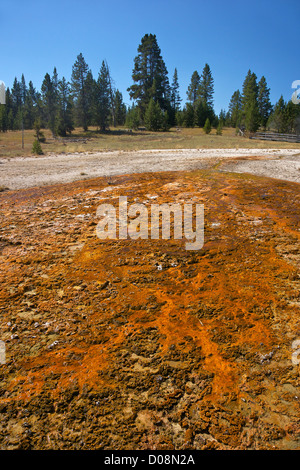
point(122, 139)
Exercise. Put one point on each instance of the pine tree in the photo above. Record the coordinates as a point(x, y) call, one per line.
point(235, 109)
point(193, 88)
point(250, 110)
point(30, 107)
point(37, 148)
point(39, 136)
point(103, 101)
point(264, 103)
point(252, 116)
point(111, 94)
point(3, 118)
point(219, 128)
point(23, 90)
point(133, 117)
point(16, 96)
point(291, 115)
point(189, 115)
point(64, 118)
point(179, 118)
point(9, 109)
point(222, 118)
point(206, 87)
point(120, 108)
point(154, 118)
point(278, 117)
point(201, 113)
point(175, 97)
point(207, 126)
point(49, 98)
point(150, 76)
point(81, 81)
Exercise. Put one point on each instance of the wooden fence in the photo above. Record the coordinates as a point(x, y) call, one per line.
point(276, 136)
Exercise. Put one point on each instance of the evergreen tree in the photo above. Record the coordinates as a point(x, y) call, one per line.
point(133, 118)
point(9, 109)
point(235, 109)
point(37, 148)
point(222, 118)
point(179, 118)
point(193, 88)
point(278, 117)
point(16, 95)
point(207, 126)
point(40, 110)
point(175, 97)
point(30, 107)
point(250, 110)
point(81, 83)
point(219, 128)
point(206, 87)
point(264, 103)
point(103, 102)
point(64, 117)
point(291, 117)
point(201, 113)
point(252, 116)
point(150, 76)
point(39, 136)
point(3, 118)
point(189, 115)
point(120, 108)
point(23, 90)
point(49, 98)
point(111, 94)
point(154, 118)
point(55, 83)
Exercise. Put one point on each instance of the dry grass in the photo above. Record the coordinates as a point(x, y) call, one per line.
point(122, 139)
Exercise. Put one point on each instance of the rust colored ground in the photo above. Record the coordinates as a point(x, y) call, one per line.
point(123, 344)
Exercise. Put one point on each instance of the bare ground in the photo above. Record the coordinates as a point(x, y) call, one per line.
point(26, 172)
point(141, 344)
point(123, 344)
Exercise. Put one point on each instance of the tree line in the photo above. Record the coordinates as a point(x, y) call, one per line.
point(85, 100)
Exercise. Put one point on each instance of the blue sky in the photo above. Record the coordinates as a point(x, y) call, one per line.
point(231, 36)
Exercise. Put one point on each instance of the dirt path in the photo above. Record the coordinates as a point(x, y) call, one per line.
point(20, 173)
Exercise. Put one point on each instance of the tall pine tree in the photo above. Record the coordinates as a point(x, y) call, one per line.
point(64, 118)
point(175, 99)
point(250, 110)
point(150, 76)
point(235, 109)
point(206, 87)
point(264, 103)
point(120, 108)
point(49, 97)
point(81, 85)
point(193, 88)
point(175, 96)
point(103, 98)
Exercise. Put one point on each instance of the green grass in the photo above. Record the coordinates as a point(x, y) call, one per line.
point(122, 139)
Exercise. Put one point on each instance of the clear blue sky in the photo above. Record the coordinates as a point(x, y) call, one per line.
point(231, 36)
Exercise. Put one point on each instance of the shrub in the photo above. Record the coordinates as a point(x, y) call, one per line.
point(219, 129)
point(207, 126)
point(36, 148)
